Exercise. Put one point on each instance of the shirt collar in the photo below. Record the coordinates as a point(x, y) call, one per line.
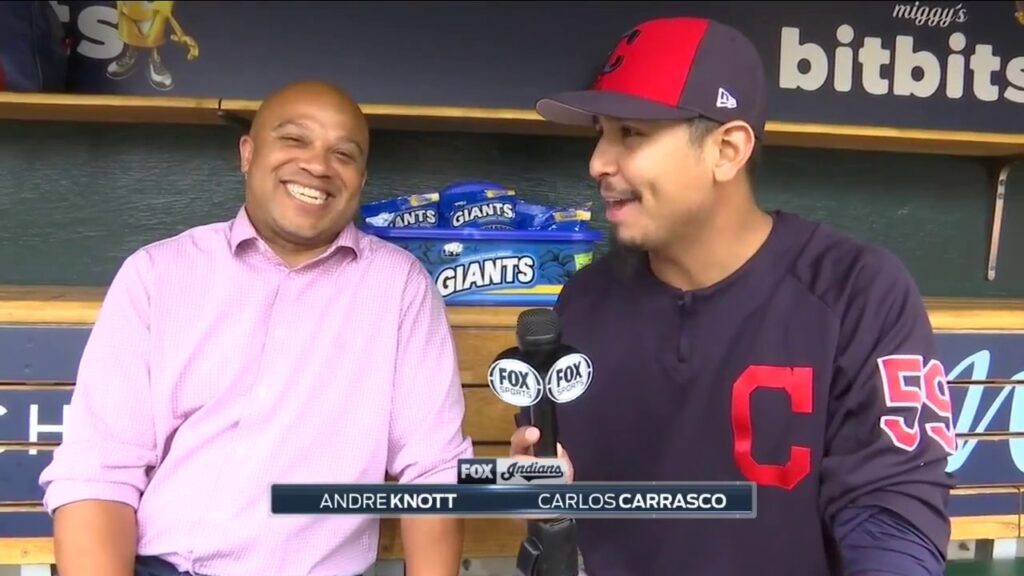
point(241, 230)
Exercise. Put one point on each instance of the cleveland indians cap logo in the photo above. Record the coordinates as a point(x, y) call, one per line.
point(618, 55)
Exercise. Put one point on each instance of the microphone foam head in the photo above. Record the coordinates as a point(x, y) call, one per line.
point(538, 326)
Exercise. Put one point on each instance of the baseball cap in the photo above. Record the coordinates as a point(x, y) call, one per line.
point(672, 69)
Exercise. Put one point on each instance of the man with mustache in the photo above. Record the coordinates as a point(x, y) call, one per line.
point(730, 343)
point(282, 346)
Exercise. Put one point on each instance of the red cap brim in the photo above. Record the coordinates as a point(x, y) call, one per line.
point(582, 108)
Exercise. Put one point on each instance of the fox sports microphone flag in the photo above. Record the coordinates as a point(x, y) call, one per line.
point(608, 500)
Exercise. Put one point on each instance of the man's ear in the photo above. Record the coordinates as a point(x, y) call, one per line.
point(735, 141)
point(245, 152)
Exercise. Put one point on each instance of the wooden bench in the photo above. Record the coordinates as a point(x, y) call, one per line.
point(993, 508)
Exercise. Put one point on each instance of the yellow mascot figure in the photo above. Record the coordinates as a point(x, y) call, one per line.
point(141, 26)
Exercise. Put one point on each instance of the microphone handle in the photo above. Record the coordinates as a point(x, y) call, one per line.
point(542, 414)
point(543, 417)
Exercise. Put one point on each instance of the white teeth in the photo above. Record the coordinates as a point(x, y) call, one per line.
point(306, 194)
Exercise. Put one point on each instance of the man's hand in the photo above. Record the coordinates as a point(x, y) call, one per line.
point(523, 440)
point(522, 443)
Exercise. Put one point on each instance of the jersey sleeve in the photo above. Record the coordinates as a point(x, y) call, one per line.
point(890, 428)
point(907, 551)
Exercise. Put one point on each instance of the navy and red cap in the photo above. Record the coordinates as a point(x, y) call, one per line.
point(672, 69)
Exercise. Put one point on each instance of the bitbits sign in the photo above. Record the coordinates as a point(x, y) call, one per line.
point(901, 69)
point(928, 65)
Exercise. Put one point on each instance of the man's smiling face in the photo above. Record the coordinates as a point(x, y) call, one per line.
point(656, 182)
point(305, 166)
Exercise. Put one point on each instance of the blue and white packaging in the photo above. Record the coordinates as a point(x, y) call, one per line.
point(536, 217)
point(497, 267)
point(478, 205)
point(484, 246)
point(413, 211)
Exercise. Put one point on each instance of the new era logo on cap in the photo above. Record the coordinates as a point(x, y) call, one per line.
point(672, 69)
point(725, 100)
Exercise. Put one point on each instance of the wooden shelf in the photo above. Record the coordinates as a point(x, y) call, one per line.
point(174, 110)
point(118, 109)
point(78, 305)
point(877, 138)
point(441, 118)
point(976, 314)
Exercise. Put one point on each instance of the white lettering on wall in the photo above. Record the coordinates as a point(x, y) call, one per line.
point(979, 363)
point(1015, 78)
point(898, 67)
point(35, 427)
point(97, 26)
point(925, 15)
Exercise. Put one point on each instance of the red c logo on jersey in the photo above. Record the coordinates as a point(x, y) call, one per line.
point(799, 384)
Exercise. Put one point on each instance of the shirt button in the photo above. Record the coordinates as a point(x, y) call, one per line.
point(240, 451)
point(261, 393)
point(217, 516)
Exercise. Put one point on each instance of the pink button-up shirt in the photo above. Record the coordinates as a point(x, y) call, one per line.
point(214, 371)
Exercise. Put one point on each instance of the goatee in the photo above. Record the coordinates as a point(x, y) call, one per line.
point(627, 259)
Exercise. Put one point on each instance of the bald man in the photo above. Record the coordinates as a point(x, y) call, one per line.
point(282, 346)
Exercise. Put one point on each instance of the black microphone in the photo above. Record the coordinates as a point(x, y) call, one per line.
point(536, 375)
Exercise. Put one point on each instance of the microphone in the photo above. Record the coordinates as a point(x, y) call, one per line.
point(536, 375)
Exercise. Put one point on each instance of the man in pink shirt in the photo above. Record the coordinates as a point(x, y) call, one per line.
point(283, 346)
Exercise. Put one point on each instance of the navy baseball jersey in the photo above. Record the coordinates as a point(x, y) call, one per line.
point(810, 371)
